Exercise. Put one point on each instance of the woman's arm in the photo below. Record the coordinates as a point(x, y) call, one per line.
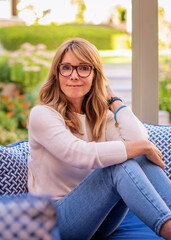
point(128, 124)
point(144, 147)
point(47, 130)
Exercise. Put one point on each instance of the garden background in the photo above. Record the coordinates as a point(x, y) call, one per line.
point(28, 52)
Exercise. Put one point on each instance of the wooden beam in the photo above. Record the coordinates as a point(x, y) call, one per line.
point(145, 60)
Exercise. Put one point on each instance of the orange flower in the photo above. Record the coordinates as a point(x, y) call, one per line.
point(10, 114)
point(16, 92)
point(21, 96)
point(26, 104)
point(6, 98)
point(24, 124)
point(10, 106)
point(24, 112)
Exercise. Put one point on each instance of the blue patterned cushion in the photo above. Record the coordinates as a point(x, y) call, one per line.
point(13, 168)
point(161, 136)
point(28, 217)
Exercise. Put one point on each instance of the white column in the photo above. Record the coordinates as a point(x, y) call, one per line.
point(145, 60)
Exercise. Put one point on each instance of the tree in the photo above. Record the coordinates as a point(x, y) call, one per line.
point(81, 8)
point(14, 7)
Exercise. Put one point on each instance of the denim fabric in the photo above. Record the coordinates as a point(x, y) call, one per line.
point(85, 213)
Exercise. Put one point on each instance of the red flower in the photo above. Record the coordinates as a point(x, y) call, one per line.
point(10, 106)
point(10, 114)
point(21, 96)
point(26, 104)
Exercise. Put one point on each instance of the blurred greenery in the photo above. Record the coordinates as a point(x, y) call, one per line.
point(5, 70)
point(165, 84)
point(103, 37)
point(29, 66)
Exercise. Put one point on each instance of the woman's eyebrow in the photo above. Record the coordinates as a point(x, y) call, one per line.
point(73, 65)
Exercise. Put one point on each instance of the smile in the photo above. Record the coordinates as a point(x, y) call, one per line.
point(74, 86)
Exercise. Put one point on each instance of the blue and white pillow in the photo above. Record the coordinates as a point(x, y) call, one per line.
point(13, 168)
point(28, 217)
point(160, 135)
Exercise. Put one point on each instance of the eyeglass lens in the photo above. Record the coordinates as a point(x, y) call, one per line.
point(83, 70)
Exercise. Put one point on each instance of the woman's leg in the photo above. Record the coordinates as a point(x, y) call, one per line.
point(158, 179)
point(153, 206)
point(112, 221)
point(83, 210)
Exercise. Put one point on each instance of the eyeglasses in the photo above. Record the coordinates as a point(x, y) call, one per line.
point(83, 70)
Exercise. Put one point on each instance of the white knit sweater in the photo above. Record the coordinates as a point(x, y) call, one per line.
point(60, 160)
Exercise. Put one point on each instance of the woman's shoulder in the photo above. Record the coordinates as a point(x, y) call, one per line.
point(44, 111)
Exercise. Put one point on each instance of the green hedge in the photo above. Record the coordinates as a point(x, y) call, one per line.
point(5, 70)
point(52, 36)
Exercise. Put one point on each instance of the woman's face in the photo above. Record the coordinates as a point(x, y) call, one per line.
point(75, 87)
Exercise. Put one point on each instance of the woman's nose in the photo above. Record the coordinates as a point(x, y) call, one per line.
point(74, 74)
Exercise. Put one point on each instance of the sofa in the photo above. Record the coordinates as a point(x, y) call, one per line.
point(24, 216)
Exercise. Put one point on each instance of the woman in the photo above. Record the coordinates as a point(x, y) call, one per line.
point(94, 161)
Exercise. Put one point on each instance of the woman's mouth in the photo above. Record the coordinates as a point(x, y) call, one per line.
point(74, 86)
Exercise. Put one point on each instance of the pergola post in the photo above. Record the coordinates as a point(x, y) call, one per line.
point(145, 60)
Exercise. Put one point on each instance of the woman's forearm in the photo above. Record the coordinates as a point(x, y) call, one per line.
point(144, 147)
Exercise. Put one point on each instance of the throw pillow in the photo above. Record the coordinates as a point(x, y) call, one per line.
point(13, 168)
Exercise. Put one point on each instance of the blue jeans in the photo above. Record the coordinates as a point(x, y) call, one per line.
point(95, 208)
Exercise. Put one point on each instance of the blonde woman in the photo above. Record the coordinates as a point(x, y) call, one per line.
point(95, 162)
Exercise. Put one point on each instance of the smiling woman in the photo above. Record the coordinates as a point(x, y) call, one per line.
point(91, 154)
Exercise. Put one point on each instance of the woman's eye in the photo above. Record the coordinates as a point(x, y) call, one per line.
point(84, 68)
point(66, 67)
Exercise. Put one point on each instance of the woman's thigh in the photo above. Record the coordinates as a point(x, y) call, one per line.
point(82, 211)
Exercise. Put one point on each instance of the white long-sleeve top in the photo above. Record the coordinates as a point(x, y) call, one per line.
point(60, 160)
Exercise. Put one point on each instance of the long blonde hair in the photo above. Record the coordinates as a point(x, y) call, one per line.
point(94, 104)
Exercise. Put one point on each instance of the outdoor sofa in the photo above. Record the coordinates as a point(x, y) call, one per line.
point(27, 217)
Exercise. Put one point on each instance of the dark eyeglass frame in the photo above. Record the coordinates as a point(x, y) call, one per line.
point(75, 67)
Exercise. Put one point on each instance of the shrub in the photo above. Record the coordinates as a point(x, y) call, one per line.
point(165, 87)
point(5, 70)
point(29, 66)
point(52, 36)
point(14, 112)
point(7, 137)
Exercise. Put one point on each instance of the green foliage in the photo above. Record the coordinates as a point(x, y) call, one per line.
point(165, 87)
point(52, 36)
point(122, 14)
point(7, 137)
point(14, 115)
point(81, 9)
point(5, 70)
point(29, 66)
point(14, 112)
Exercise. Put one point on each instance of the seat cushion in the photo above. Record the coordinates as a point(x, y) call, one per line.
point(13, 168)
point(28, 217)
point(161, 136)
point(132, 228)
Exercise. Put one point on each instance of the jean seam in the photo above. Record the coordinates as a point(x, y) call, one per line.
point(141, 189)
point(160, 222)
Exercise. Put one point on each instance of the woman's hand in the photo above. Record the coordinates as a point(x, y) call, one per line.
point(110, 92)
point(144, 147)
point(154, 155)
